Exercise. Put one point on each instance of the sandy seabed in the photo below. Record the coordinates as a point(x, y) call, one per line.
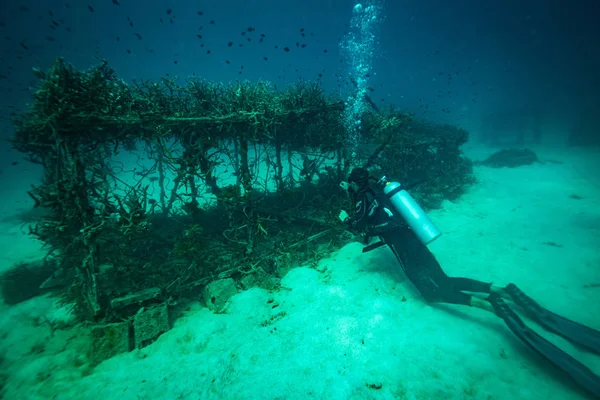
point(354, 327)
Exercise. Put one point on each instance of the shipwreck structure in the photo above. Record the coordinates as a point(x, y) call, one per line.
point(156, 189)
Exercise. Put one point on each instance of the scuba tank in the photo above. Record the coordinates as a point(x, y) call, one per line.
point(410, 210)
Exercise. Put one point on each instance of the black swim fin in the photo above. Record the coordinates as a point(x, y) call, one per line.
point(576, 370)
point(570, 330)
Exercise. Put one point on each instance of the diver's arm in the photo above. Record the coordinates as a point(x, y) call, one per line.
point(358, 220)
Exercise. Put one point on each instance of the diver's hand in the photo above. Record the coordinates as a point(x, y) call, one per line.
point(343, 216)
point(345, 185)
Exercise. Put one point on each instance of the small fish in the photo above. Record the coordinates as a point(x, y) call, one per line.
point(90, 8)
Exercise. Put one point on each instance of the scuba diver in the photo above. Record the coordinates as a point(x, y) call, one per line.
point(386, 210)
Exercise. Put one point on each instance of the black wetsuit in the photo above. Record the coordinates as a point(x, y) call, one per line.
point(374, 216)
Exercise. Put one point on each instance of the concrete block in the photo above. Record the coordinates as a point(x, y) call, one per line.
point(149, 324)
point(259, 279)
point(108, 341)
point(217, 293)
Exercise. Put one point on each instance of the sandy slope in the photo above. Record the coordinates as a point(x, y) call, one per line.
point(355, 321)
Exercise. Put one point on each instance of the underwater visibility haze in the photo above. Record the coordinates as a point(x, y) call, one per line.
point(292, 199)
